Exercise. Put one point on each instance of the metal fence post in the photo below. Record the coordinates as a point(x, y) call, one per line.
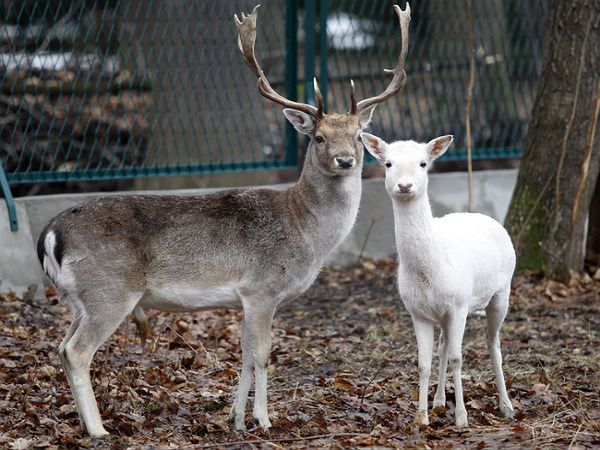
point(10, 202)
point(323, 50)
point(291, 77)
point(310, 50)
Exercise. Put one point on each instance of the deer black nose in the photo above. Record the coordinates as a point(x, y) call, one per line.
point(404, 188)
point(344, 163)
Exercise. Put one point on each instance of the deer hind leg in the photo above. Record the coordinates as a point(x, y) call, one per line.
point(495, 313)
point(440, 393)
point(238, 410)
point(87, 333)
point(77, 312)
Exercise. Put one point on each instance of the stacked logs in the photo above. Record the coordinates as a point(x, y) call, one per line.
point(71, 119)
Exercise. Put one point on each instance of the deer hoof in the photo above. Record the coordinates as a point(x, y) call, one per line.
point(439, 402)
point(238, 421)
point(421, 418)
point(461, 419)
point(263, 422)
point(506, 410)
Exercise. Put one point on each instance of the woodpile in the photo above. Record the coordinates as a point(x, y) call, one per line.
point(76, 120)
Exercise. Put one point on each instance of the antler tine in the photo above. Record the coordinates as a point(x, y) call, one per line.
point(246, 39)
point(353, 109)
point(318, 97)
point(399, 79)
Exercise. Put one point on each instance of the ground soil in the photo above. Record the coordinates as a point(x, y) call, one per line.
point(343, 373)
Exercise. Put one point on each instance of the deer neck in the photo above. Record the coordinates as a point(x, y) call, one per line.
point(415, 240)
point(324, 207)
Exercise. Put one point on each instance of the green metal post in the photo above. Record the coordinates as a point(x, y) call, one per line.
point(291, 77)
point(10, 202)
point(324, 50)
point(310, 50)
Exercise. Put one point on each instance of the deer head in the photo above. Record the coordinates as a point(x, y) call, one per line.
point(406, 163)
point(335, 143)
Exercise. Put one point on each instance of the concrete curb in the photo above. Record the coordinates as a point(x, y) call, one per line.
point(372, 235)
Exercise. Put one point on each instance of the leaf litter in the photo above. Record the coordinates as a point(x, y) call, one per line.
point(343, 373)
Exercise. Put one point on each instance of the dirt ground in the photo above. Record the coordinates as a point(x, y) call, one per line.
point(343, 374)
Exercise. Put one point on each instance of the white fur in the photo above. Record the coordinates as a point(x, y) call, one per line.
point(50, 265)
point(60, 275)
point(447, 268)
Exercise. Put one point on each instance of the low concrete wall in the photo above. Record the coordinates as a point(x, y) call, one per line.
point(19, 266)
point(373, 233)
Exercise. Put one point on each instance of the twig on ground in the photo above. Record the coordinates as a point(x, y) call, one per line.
point(302, 438)
point(266, 441)
point(364, 391)
point(183, 339)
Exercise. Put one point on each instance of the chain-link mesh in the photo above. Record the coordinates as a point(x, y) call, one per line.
point(364, 38)
point(103, 89)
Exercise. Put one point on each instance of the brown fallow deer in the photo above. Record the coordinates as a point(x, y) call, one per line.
point(243, 248)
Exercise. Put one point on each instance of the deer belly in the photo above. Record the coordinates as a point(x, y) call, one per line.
point(180, 298)
point(295, 287)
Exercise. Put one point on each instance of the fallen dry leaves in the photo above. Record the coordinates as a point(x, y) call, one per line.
point(343, 373)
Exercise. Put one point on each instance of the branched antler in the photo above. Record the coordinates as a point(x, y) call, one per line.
point(246, 40)
point(399, 79)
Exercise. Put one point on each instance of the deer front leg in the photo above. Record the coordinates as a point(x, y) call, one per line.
point(456, 329)
point(258, 318)
point(238, 410)
point(261, 350)
point(424, 333)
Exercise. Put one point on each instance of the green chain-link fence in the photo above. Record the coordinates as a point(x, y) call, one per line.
point(108, 89)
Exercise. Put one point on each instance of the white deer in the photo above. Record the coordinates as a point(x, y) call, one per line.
point(243, 248)
point(447, 268)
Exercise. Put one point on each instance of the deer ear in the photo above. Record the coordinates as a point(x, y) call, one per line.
point(438, 146)
point(374, 145)
point(303, 123)
point(364, 117)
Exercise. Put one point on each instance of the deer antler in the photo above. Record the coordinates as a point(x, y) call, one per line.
point(399, 79)
point(246, 40)
point(352, 99)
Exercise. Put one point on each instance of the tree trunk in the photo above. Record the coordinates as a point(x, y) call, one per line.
point(593, 238)
point(549, 209)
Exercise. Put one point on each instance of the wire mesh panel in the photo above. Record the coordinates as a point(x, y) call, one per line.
point(110, 88)
point(364, 38)
point(103, 89)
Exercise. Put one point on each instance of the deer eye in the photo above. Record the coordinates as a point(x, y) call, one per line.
point(319, 139)
point(359, 138)
point(423, 164)
point(388, 164)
